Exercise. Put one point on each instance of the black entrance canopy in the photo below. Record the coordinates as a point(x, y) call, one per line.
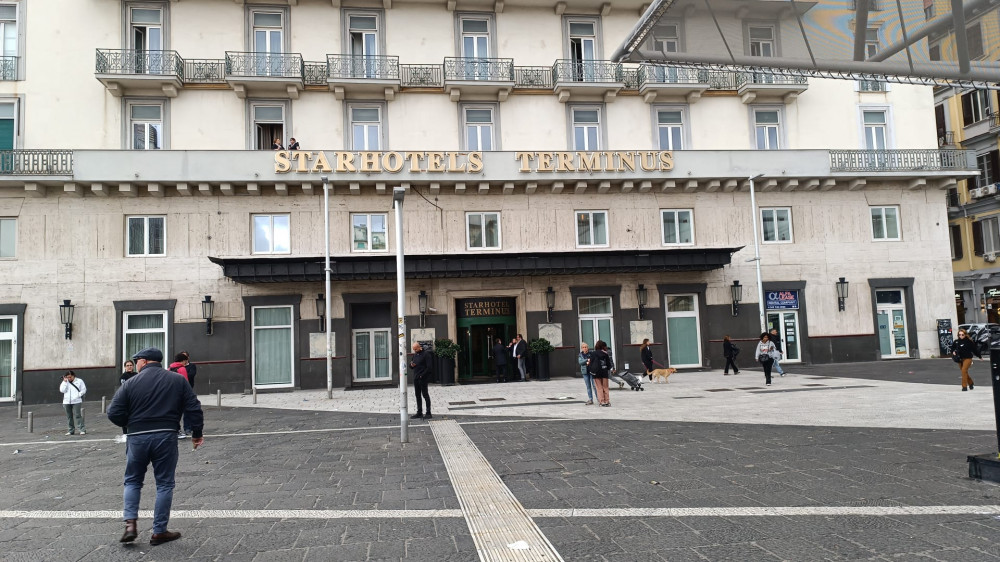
point(364, 268)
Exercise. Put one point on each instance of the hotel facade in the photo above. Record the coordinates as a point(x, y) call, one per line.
point(548, 191)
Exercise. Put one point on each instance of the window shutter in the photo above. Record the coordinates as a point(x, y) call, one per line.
point(994, 157)
point(967, 109)
point(956, 241)
point(977, 238)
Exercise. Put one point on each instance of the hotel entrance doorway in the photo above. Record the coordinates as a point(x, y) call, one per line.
point(480, 322)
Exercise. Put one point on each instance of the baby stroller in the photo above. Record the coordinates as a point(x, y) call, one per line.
point(625, 377)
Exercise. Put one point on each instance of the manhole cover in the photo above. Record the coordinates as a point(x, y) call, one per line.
point(491, 399)
point(718, 390)
point(562, 398)
point(466, 403)
point(814, 384)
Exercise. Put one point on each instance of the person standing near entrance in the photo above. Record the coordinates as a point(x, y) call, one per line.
point(151, 405)
point(588, 379)
point(500, 359)
point(518, 350)
point(776, 340)
point(73, 390)
point(963, 349)
point(421, 365)
point(765, 353)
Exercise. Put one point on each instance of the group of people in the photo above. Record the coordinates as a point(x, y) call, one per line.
point(517, 350)
point(292, 144)
point(596, 367)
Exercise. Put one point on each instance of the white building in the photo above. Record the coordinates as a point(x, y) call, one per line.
point(137, 176)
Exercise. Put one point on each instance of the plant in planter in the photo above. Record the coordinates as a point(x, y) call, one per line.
point(446, 350)
point(541, 348)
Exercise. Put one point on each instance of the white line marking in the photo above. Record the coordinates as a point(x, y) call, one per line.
point(875, 511)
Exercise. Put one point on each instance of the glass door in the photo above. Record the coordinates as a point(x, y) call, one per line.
point(583, 49)
point(267, 43)
point(787, 324)
point(683, 327)
point(364, 46)
point(476, 45)
point(891, 316)
point(272, 346)
point(8, 358)
point(147, 40)
point(597, 321)
point(371, 355)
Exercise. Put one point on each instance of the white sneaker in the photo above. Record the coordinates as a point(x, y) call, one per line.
point(181, 435)
point(83, 433)
point(69, 433)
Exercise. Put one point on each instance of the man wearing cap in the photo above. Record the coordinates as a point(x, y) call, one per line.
point(151, 406)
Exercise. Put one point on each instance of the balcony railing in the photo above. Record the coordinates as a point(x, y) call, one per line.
point(763, 78)
point(127, 61)
point(372, 67)
point(630, 78)
point(533, 77)
point(947, 139)
point(314, 73)
point(488, 70)
point(721, 80)
point(872, 86)
point(204, 71)
point(8, 68)
point(660, 74)
point(421, 76)
point(264, 65)
point(898, 160)
point(32, 162)
point(595, 71)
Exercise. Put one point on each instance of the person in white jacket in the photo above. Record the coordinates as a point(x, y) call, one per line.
point(73, 390)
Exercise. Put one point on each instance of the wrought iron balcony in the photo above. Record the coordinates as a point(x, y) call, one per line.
point(656, 79)
point(594, 71)
point(490, 70)
point(8, 68)
point(204, 71)
point(421, 75)
point(315, 73)
point(533, 77)
point(872, 86)
point(128, 70)
point(371, 67)
point(32, 162)
point(899, 160)
point(752, 85)
point(264, 65)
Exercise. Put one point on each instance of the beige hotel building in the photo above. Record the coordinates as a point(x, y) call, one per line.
point(549, 191)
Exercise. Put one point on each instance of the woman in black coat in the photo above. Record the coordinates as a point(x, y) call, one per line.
point(600, 365)
point(729, 351)
point(646, 355)
point(964, 348)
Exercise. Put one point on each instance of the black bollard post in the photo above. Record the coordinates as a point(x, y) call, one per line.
point(987, 467)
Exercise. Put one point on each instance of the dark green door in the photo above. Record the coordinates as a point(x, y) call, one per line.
point(479, 322)
point(6, 144)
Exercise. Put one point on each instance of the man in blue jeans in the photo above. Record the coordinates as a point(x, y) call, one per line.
point(150, 405)
point(774, 337)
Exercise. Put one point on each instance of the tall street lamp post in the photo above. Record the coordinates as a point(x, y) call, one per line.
point(326, 299)
point(756, 253)
point(397, 202)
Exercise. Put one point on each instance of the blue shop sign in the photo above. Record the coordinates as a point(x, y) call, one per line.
point(782, 300)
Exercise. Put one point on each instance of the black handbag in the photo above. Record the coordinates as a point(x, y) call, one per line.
point(956, 358)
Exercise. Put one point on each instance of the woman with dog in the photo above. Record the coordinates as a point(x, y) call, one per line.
point(729, 351)
point(600, 365)
point(765, 355)
point(646, 355)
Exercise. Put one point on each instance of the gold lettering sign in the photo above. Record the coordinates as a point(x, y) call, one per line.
point(305, 162)
point(475, 308)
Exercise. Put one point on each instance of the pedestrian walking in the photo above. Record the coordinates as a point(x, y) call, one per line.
point(962, 351)
point(646, 356)
point(519, 351)
point(73, 390)
point(765, 356)
point(151, 406)
point(500, 359)
point(191, 368)
point(600, 365)
point(776, 340)
point(129, 371)
point(588, 379)
point(421, 365)
point(730, 350)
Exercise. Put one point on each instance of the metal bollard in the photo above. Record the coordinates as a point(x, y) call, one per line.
point(255, 396)
point(104, 404)
point(218, 398)
point(31, 422)
point(20, 407)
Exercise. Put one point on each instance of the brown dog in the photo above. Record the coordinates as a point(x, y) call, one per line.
point(664, 374)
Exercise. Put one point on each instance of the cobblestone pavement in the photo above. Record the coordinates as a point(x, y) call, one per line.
point(654, 477)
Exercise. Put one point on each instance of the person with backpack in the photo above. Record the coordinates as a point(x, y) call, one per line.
point(730, 350)
point(600, 365)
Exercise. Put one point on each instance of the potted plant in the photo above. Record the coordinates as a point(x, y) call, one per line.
point(446, 350)
point(540, 349)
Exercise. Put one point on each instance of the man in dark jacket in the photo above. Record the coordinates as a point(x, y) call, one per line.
point(776, 339)
point(500, 357)
point(421, 365)
point(151, 406)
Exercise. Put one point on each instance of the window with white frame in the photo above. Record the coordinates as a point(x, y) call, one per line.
point(483, 231)
point(369, 233)
point(591, 229)
point(366, 127)
point(670, 128)
point(871, 49)
point(145, 125)
point(885, 223)
point(272, 234)
point(8, 238)
point(8, 42)
point(586, 127)
point(678, 226)
point(268, 125)
point(976, 106)
point(776, 224)
point(988, 165)
point(761, 40)
point(140, 330)
point(146, 39)
point(876, 128)
point(479, 127)
point(767, 128)
point(145, 236)
point(991, 235)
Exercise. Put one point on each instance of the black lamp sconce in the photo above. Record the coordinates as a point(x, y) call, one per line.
point(736, 291)
point(422, 307)
point(640, 297)
point(66, 310)
point(550, 303)
point(207, 310)
point(321, 311)
point(842, 291)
